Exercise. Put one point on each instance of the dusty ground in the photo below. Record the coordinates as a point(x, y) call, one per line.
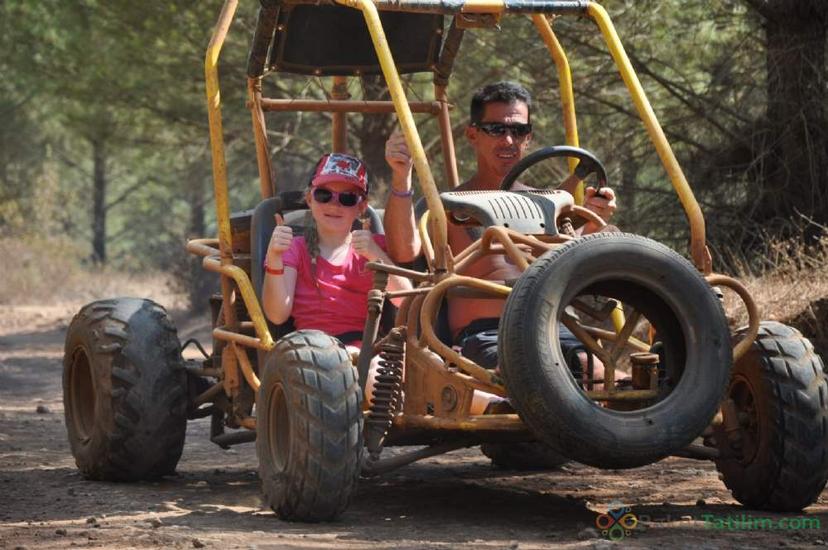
point(451, 501)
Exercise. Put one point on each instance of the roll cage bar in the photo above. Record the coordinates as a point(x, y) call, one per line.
point(542, 13)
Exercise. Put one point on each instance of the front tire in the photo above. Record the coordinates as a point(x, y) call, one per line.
point(780, 393)
point(124, 391)
point(309, 433)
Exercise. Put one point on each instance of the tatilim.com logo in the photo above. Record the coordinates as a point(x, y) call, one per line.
point(617, 522)
point(746, 522)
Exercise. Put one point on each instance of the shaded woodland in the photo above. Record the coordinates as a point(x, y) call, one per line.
point(104, 142)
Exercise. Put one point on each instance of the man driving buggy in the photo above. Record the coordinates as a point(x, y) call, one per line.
point(499, 132)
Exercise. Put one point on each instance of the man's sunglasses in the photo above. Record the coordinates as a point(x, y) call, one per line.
point(345, 198)
point(499, 128)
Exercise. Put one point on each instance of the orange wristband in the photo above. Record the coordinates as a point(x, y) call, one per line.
point(272, 271)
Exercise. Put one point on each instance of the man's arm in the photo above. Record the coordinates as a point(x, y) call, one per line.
point(402, 238)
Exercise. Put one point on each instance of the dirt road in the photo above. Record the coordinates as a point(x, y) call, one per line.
point(451, 501)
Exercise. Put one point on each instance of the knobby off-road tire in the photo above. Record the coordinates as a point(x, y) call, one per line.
point(124, 391)
point(523, 455)
point(677, 301)
point(781, 393)
point(309, 431)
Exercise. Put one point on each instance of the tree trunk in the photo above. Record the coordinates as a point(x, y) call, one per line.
point(626, 192)
point(794, 153)
point(99, 201)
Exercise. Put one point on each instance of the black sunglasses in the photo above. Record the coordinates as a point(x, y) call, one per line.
point(518, 130)
point(346, 198)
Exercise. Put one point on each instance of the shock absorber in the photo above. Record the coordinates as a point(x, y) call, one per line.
point(387, 391)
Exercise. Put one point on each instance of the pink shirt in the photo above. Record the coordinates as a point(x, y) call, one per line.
point(335, 301)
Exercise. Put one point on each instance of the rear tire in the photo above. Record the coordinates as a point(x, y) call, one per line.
point(124, 391)
point(781, 394)
point(309, 433)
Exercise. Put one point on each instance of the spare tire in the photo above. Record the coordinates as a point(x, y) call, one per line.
point(689, 324)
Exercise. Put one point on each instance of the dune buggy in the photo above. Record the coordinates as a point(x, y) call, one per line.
point(677, 381)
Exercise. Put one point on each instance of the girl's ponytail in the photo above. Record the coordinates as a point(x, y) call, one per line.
point(312, 242)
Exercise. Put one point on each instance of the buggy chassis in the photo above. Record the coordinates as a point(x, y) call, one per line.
point(445, 273)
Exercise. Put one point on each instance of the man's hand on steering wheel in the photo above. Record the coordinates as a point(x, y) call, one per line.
point(602, 202)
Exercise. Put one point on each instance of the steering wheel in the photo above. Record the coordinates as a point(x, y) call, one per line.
point(588, 164)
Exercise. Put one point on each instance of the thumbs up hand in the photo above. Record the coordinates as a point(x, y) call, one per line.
point(280, 240)
point(364, 244)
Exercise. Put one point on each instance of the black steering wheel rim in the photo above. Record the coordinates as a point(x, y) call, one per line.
point(588, 164)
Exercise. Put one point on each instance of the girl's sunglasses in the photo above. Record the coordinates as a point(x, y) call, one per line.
point(499, 128)
point(345, 198)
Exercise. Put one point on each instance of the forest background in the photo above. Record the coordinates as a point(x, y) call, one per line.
point(105, 161)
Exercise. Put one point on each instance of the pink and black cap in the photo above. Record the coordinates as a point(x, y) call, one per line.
point(339, 167)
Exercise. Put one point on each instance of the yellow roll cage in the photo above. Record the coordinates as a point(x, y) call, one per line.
point(218, 253)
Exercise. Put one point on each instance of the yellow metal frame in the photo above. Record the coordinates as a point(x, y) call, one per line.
point(218, 253)
point(221, 260)
point(437, 218)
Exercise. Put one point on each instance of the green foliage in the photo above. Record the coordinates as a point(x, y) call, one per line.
point(124, 81)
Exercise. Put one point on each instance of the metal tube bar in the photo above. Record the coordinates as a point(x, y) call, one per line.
point(624, 335)
point(233, 438)
point(203, 247)
point(230, 336)
point(626, 395)
point(483, 422)
point(698, 452)
point(612, 336)
point(753, 312)
point(452, 7)
point(412, 292)
point(266, 181)
point(245, 287)
point(585, 338)
point(428, 315)
point(425, 239)
point(208, 394)
point(512, 251)
point(391, 269)
point(339, 127)
point(544, 27)
point(447, 138)
point(216, 133)
point(698, 248)
point(346, 106)
point(246, 367)
point(376, 467)
point(409, 128)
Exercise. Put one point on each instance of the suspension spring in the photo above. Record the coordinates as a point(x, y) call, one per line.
point(387, 391)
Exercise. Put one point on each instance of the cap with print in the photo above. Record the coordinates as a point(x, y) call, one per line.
point(339, 167)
